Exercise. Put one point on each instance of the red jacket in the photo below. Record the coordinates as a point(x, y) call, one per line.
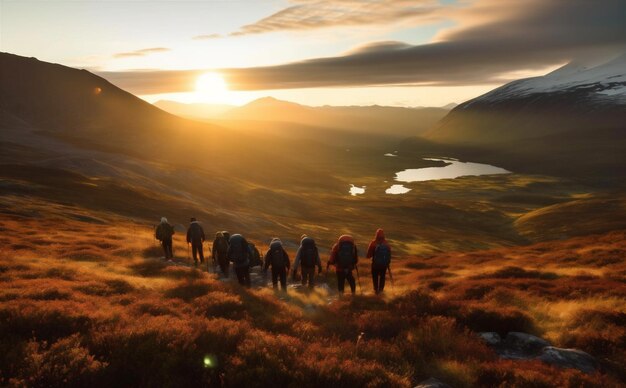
point(333, 253)
point(378, 239)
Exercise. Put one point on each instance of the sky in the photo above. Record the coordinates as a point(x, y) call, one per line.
point(315, 52)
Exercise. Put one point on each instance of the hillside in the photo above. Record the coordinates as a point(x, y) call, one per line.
point(567, 123)
point(366, 120)
point(571, 98)
point(98, 308)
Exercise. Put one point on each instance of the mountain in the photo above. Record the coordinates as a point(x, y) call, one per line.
point(571, 98)
point(193, 110)
point(389, 121)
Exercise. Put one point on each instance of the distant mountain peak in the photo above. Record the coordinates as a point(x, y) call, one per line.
point(271, 101)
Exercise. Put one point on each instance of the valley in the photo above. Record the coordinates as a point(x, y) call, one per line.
point(84, 178)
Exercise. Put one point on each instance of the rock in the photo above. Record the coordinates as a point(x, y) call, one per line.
point(491, 338)
point(568, 358)
point(522, 345)
point(432, 383)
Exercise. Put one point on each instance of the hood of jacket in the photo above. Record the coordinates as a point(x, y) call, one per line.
point(380, 235)
point(346, 237)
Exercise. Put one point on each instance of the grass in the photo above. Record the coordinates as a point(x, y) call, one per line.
point(132, 320)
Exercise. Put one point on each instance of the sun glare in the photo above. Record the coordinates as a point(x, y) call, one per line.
point(211, 87)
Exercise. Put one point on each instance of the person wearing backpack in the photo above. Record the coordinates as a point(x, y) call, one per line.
point(308, 258)
point(239, 255)
point(344, 257)
point(380, 253)
point(278, 259)
point(164, 232)
point(195, 237)
point(220, 252)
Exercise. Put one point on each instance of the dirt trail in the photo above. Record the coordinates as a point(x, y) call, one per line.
point(260, 280)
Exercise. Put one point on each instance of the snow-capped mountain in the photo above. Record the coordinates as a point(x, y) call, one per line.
point(598, 82)
point(572, 98)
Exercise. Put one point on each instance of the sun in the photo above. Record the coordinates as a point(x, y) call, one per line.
point(211, 87)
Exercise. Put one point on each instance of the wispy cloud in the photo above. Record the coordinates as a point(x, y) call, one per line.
point(142, 52)
point(208, 37)
point(493, 39)
point(314, 14)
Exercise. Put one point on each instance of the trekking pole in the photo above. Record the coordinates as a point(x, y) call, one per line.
point(390, 276)
point(207, 261)
point(358, 278)
point(188, 254)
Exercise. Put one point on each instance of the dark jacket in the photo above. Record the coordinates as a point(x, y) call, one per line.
point(276, 247)
point(195, 233)
point(333, 254)
point(238, 252)
point(220, 245)
point(164, 231)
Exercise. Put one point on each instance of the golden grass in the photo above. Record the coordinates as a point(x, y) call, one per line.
point(94, 296)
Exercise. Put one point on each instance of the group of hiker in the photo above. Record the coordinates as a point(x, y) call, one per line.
point(243, 255)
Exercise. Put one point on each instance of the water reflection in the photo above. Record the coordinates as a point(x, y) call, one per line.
point(453, 169)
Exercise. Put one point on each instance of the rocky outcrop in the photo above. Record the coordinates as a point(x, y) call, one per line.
point(523, 346)
point(432, 383)
point(569, 358)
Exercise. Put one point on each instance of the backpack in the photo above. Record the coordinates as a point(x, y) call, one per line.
point(382, 256)
point(345, 254)
point(308, 256)
point(277, 257)
point(255, 256)
point(159, 232)
point(221, 244)
point(239, 251)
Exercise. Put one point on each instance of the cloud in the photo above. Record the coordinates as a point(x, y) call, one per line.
point(142, 52)
point(208, 37)
point(492, 40)
point(314, 14)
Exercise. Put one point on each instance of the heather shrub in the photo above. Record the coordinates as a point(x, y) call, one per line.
point(64, 273)
point(512, 272)
point(148, 268)
point(188, 290)
point(220, 304)
point(105, 287)
point(166, 351)
point(380, 324)
point(440, 337)
point(43, 320)
point(501, 320)
point(65, 363)
point(508, 373)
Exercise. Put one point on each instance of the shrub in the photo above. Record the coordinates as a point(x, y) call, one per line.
point(63, 364)
point(220, 304)
point(188, 290)
point(502, 320)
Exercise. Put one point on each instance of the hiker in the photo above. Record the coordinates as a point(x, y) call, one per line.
point(195, 237)
point(220, 252)
point(239, 255)
point(164, 232)
point(380, 253)
point(255, 256)
point(308, 258)
point(344, 257)
point(278, 258)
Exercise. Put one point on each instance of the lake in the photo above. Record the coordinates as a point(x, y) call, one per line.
point(453, 169)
